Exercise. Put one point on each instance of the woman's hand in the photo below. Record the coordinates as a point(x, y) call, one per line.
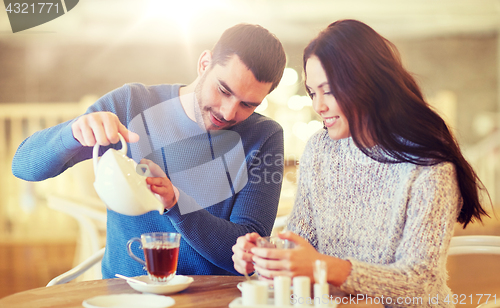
point(271, 262)
point(299, 261)
point(242, 257)
point(160, 184)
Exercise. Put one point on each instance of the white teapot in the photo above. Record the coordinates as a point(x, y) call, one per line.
point(121, 183)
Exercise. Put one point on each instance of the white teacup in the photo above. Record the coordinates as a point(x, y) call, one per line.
point(121, 183)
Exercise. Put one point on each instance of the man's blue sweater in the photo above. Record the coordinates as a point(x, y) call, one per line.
point(208, 231)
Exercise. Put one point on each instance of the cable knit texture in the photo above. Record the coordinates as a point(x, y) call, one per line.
point(393, 222)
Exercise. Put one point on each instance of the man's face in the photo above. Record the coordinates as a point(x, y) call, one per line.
point(229, 94)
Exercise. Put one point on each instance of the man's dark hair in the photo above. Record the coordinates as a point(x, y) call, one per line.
point(256, 47)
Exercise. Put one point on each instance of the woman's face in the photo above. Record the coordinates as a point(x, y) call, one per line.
point(324, 102)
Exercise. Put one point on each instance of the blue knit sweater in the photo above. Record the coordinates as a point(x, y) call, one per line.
point(207, 233)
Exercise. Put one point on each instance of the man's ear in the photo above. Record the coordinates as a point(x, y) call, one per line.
point(204, 62)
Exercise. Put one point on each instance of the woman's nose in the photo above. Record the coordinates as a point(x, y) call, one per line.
point(319, 105)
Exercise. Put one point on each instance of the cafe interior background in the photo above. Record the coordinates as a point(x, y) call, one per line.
point(53, 72)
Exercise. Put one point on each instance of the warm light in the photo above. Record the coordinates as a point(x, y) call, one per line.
point(297, 102)
point(182, 12)
point(290, 77)
point(306, 101)
point(304, 131)
point(287, 87)
point(262, 106)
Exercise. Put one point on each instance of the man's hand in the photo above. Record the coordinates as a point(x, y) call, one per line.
point(160, 184)
point(102, 128)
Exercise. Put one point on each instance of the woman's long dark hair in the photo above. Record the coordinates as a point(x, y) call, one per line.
point(384, 106)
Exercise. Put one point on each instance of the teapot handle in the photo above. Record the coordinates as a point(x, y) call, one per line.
point(95, 151)
point(143, 169)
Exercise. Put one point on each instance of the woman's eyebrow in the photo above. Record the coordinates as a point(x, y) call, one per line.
point(320, 86)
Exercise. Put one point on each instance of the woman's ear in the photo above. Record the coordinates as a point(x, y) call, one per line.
point(204, 62)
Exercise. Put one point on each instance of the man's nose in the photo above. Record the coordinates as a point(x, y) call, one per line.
point(229, 109)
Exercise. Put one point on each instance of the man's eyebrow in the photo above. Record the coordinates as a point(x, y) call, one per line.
point(228, 89)
point(225, 86)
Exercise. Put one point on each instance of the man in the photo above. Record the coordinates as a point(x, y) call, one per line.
point(204, 136)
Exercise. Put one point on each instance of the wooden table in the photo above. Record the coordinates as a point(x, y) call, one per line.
point(204, 292)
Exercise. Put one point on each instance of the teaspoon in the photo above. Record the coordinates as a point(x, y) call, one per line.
point(130, 279)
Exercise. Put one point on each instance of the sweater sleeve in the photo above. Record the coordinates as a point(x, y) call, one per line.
point(301, 216)
point(419, 265)
point(254, 209)
point(47, 153)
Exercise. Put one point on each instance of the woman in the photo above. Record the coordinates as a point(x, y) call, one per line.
point(380, 188)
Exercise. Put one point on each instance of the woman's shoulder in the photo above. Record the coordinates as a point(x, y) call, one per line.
point(437, 174)
point(441, 168)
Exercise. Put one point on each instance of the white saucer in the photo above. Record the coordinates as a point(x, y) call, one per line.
point(490, 304)
point(129, 301)
point(177, 284)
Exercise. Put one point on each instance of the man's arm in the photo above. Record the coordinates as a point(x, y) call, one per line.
point(47, 153)
point(253, 210)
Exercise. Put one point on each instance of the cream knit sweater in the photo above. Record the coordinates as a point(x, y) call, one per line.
point(393, 222)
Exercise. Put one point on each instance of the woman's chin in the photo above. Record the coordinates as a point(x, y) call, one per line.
point(336, 136)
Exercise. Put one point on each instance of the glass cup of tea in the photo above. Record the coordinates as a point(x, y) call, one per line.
point(274, 242)
point(161, 252)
